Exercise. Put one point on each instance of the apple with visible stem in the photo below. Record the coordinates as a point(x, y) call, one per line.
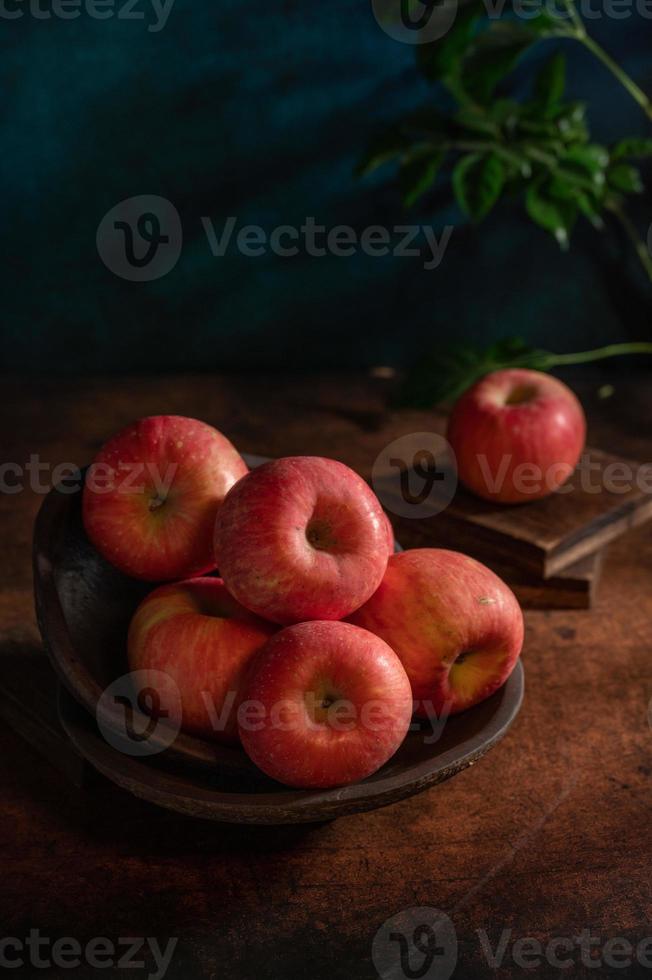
point(517, 435)
point(301, 538)
point(456, 627)
point(203, 641)
point(152, 494)
point(325, 704)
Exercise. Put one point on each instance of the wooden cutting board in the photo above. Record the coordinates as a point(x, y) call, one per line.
point(545, 537)
point(575, 587)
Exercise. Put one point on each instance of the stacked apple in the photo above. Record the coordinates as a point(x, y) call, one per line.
point(316, 645)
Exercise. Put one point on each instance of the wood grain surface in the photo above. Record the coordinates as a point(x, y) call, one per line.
point(605, 496)
point(547, 837)
point(575, 587)
point(547, 536)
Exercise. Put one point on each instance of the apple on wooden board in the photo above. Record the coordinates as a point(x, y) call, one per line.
point(152, 494)
point(301, 538)
point(456, 627)
point(517, 435)
point(325, 704)
point(203, 641)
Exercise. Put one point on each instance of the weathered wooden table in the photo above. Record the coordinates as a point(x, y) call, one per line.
point(550, 836)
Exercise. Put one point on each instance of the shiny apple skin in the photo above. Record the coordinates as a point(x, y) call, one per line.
point(547, 430)
point(302, 746)
point(390, 535)
point(146, 537)
point(204, 641)
point(301, 538)
point(456, 627)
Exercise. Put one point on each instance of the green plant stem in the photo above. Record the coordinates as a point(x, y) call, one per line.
point(630, 230)
point(580, 33)
point(628, 83)
point(600, 353)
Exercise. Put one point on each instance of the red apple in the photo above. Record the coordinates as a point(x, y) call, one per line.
point(390, 534)
point(517, 435)
point(197, 635)
point(301, 538)
point(456, 627)
point(152, 494)
point(325, 704)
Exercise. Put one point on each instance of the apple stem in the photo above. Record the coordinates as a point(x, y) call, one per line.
point(611, 350)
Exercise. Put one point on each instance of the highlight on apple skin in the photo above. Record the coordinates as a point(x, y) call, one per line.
point(456, 627)
point(326, 704)
point(204, 642)
point(517, 435)
point(391, 541)
point(301, 538)
point(152, 494)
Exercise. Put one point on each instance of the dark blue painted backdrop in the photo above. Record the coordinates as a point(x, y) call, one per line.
point(259, 111)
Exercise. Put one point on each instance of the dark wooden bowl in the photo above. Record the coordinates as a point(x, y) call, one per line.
point(231, 798)
point(84, 606)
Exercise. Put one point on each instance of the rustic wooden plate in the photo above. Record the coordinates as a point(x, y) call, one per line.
point(234, 798)
point(84, 606)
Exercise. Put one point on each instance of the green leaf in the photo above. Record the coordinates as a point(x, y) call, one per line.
point(478, 181)
point(570, 121)
point(517, 162)
point(443, 375)
point(591, 156)
point(493, 55)
point(383, 148)
point(545, 24)
point(477, 120)
point(550, 83)
point(555, 215)
point(586, 203)
point(632, 147)
point(442, 58)
point(417, 175)
point(505, 112)
point(625, 177)
point(590, 210)
point(589, 160)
